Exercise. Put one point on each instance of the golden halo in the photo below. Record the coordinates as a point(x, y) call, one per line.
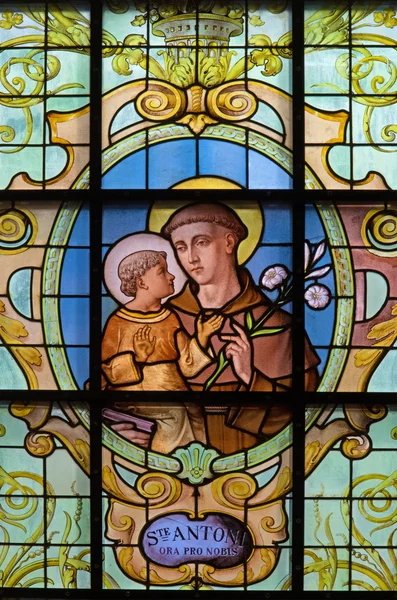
point(251, 215)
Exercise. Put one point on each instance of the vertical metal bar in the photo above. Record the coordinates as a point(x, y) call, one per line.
point(95, 293)
point(298, 330)
point(43, 156)
point(196, 137)
point(246, 54)
point(351, 153)
point(148, 52)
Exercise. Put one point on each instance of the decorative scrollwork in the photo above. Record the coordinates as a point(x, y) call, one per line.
point(161, 102)
point(39, 444)
point(355, 447)
point(231, 102)
point(18, 230)
point(160, 489)
point(379, 232)
point(234, 490)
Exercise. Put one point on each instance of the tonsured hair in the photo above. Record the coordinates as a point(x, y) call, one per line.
point(205, 213)
point(134, 266)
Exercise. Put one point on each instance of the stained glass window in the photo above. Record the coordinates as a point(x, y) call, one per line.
point(186, 95)
point(45, 496)
point(221, 220)
point(350, 94)
point(44, 95)
point(350, 501)
point(44, 301)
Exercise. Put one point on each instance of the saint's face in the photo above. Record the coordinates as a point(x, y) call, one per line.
point(202, 250)
point(159, 280)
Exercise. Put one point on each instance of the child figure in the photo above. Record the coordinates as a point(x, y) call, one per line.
point(144, 348)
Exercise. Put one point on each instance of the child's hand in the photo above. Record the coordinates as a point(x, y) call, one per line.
point(143, 343)
point(205, 329)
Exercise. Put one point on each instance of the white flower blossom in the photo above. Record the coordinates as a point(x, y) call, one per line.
point(317, 296)
point(273, 277)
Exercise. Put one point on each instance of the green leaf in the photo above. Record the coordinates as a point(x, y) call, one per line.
point(222, 364)
point(267, 331)
point(249, 321)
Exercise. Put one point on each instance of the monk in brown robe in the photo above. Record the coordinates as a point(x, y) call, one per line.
point(206, 238)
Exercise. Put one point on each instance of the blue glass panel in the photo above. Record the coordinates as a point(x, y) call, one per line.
point(223, 159)
point(171, 162)
point(127, 174)
point(266, 174)
point(75, 320)
point(79, 363)
point(80, 235)
point(76, 272)
point(118, 222)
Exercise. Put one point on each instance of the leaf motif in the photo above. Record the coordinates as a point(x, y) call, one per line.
point(138, 21)
point(134, 40)
point(74, 15)
point(259, 40)
point(384, 330)
point(320, 249)
point(249, 320)
point(267, 331)
point(317, 273)
point(121, 62)
point(36, 15)
point(307, 256)
point(79, 34)
point(222, 364)
point(366, 357)
point(256, 21)
point(31, 355)
point(272, 63)
point(12, 326)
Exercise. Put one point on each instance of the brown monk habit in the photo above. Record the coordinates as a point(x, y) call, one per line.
point(232, 428)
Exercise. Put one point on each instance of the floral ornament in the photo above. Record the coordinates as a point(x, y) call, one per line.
point(138, 21)
point(278, 278)
point(312, 255)
point(10, 19)
point(265, 54)
point(386, 17)
point(273, 277)
point(128, 54)
point(317, 296)
point(256, 21)
point(79, 34)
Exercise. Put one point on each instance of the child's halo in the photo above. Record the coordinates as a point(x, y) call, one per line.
point(137, 242)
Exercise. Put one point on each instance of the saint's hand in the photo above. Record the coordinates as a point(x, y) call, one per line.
point(239, 351)
point(205, 329)
point(128, 431)
point(143, 343)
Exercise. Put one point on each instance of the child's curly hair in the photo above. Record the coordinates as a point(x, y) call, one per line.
point(134, 266)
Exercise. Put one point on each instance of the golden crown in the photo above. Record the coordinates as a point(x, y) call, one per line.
point(184, 23)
